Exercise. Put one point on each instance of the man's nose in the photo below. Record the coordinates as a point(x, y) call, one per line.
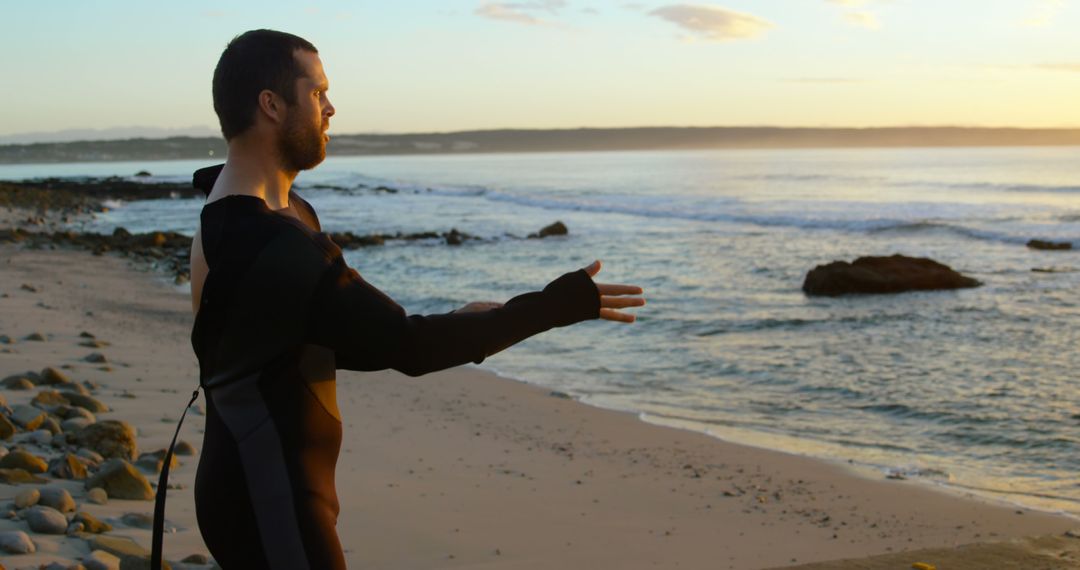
point(329, 108)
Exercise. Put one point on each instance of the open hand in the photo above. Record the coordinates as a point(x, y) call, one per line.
point(614, 297)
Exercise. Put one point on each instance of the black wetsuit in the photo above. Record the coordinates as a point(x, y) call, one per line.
point(280, 311)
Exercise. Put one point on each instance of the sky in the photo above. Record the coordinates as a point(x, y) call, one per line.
point(445, 65)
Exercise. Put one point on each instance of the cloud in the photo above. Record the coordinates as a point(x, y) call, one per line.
point(863, 20)
point(1043, 14)
point(520, 12)
point(712, 23)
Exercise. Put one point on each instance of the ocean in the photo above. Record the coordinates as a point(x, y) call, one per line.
point(973, 389)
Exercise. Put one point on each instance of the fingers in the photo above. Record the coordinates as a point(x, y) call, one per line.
point(593, 268)
point(613, 315)
point(621, 302)
point(614, 289)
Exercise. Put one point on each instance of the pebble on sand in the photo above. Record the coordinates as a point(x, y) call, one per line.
point(18, 476)
point(101, 560)
point(91, 524)
point(69, 466)
point(51, 375)
point(118, 546)
point(74, 424)
point(154, 460)
point(88, 403)
point(48, 400)
point(24, 460)
point(18, 383)
point(121, 480)
point(96, 358)
point(16, 542)
point(58, 498)
point(46, 520)
point(110, 438)
point(185, 448)
point(138, 520)
point(7, 429)
point(97, 496)
point(196, 559)
point(27, 417)
point(27, 498)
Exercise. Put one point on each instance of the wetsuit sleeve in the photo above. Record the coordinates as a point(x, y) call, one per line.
point(369, 331)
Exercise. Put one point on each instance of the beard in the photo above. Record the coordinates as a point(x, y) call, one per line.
point(301, 144)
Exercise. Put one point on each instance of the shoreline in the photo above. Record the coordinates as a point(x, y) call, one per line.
point(862, 470)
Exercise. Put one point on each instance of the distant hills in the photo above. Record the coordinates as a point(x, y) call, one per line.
point(558, 140)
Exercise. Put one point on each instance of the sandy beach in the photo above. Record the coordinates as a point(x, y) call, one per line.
point(464, 469)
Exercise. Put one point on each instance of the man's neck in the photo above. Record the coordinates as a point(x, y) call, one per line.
point(254, 170)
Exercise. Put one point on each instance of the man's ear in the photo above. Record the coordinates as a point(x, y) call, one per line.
point(271, 105)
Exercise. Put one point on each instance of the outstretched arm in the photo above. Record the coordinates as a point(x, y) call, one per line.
point(612, 298)
point(369, 331)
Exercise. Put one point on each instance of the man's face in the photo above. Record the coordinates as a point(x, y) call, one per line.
point(303, 133)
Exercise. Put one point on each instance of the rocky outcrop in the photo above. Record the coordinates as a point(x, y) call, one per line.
point(1049, 245)
point(894, 274)
point(556, 229)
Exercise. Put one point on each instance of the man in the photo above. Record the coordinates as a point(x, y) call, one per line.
point(278, 311)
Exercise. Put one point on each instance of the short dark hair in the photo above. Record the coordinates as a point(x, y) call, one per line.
point(253, 61)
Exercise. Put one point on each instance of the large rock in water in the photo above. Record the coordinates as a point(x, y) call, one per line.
point(894, 274)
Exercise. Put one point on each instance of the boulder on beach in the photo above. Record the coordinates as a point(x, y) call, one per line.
point(121, 480)
point(91, 524)
point(153, 461)
point(7, 429)
point(17, 382)
point(110, 438)
point(57, 498)
point(27, 498)
point(50, 376)
point(19, 459)
point(18, 477)
point(97, 496)
point(46, 520)
point(28, 417)
point(16, 542)
point(69, 466)
point(118, 545)
point(875, 275)
point(88, 403)
point(49, 400)
point(101, 560)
